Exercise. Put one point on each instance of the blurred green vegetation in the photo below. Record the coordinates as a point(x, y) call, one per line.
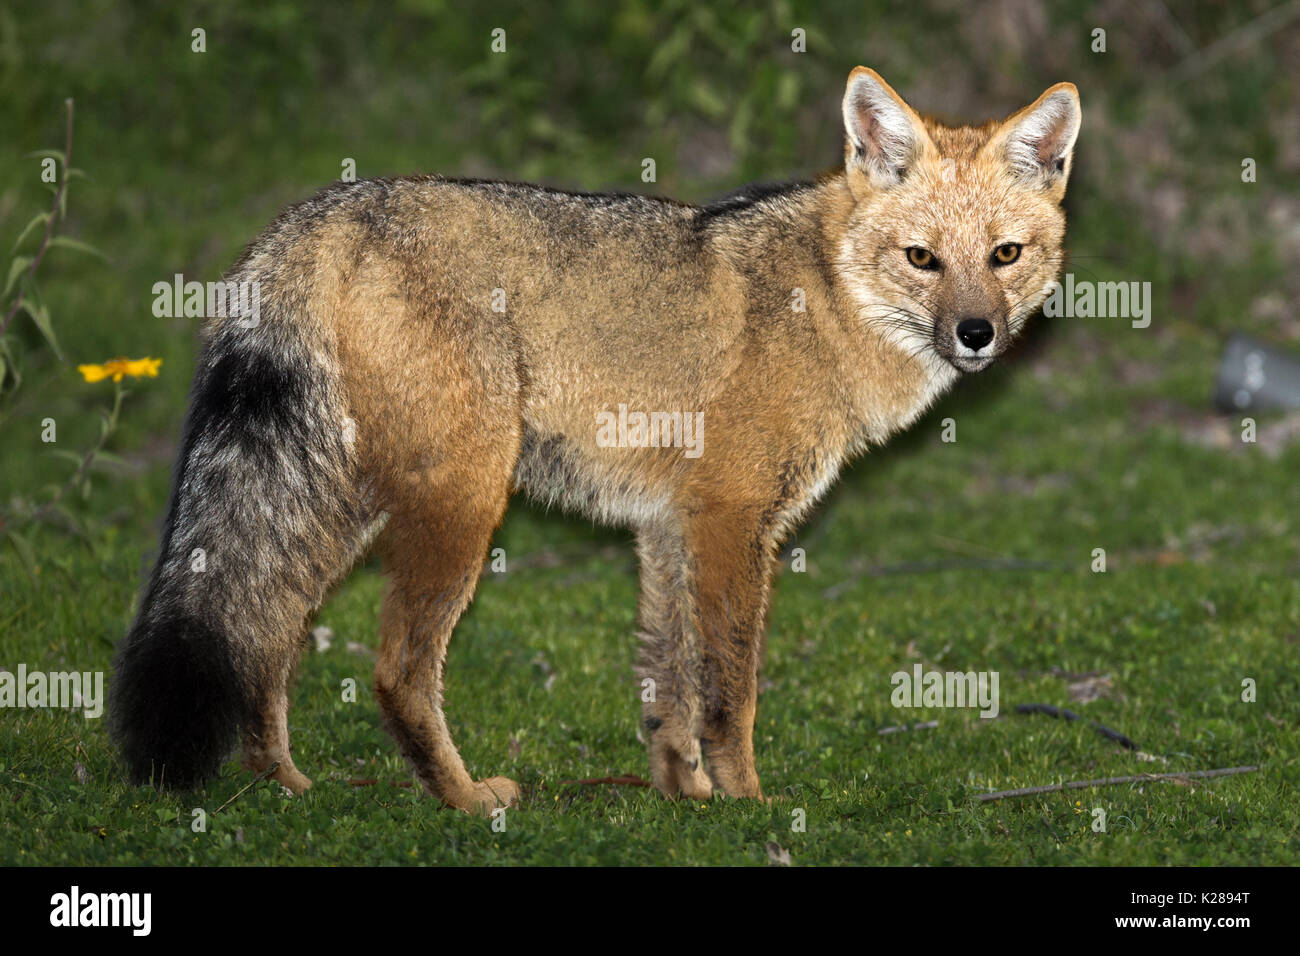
point(1096, 435)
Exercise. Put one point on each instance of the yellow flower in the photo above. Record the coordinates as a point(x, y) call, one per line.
point(119, 367)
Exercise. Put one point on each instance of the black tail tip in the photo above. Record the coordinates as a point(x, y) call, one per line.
point(176, 702)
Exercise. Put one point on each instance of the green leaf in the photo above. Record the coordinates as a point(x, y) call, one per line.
point(73, 522)
point(64, 242)
point(668, 53)
point(108, 458)
point(35, 307)
point(38, 220)
point(8, 356)
point(15, 270)
point(56, 153)
point(71, 456)
point(708, 100)
point(25, 553)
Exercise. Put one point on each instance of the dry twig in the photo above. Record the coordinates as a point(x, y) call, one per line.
point(1111, 781)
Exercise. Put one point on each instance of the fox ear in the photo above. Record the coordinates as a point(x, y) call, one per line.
point(885, 136)
point(1038, 141)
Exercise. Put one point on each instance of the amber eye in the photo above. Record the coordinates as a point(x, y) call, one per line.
point(1006, 254)
point(922, 258)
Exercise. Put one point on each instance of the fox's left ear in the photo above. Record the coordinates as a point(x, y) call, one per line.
point(1038, 141)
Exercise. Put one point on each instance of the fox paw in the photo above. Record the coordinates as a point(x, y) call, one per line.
point(676, 774)
point(286, 774)
point(484, 796)
point(292, 779)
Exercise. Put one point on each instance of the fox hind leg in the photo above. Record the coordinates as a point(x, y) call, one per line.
point(273, 663)
point(266, 740)
point(435, 385)
point(434, 550)
point(282, 628)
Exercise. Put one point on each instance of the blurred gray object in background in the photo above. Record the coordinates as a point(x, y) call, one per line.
point(1255, 376)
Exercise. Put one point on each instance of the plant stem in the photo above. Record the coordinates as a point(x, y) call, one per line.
point(49, 223)
point(45, 510)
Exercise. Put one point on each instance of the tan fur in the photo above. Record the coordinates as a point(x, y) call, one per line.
point(653, 305)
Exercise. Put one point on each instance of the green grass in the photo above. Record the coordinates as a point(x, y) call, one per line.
point(1087, 439)
point(1175, 639)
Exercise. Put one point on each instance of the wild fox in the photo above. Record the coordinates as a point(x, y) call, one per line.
point(427, 346)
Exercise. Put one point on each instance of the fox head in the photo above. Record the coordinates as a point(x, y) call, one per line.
point(955, 235)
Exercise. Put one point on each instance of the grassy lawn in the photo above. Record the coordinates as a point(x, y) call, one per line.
point(975, 554)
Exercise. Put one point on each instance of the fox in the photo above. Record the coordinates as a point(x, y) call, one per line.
point(426, 347)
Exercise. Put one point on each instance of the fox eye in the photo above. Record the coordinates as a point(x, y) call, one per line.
point(922, 258)
point(1006, 253)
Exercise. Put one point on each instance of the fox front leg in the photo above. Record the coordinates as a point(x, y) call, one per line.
point(669, 665)
point(734, 561)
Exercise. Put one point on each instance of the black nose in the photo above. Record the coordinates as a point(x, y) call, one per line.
point(975, 333)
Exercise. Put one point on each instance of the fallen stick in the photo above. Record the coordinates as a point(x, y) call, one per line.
point(926, 725)
point(627, 780)
point(1111, 781)
point(251, 784)
point(371, 783)
point(1053, 711)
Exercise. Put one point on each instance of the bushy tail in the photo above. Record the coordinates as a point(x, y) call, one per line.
point(177, 701)
point(262, 519)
